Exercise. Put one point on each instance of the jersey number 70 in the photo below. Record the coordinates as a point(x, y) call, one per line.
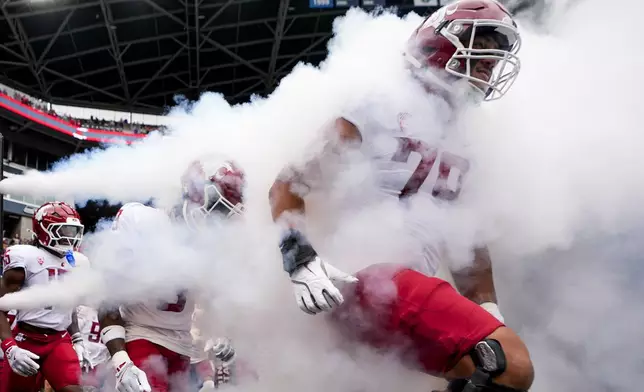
point(451, 169)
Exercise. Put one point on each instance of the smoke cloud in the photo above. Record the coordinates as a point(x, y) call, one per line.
point(554, 187)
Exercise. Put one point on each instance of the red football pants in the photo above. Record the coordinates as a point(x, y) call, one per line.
point(166, 370)
point(423, 318)
point(58, 362)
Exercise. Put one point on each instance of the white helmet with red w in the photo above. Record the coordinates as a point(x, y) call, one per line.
point(211, 186)
point(57, 227)
point(475, 40)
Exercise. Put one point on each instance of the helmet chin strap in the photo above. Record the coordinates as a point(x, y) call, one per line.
point(456, 91)
point(427, 76)
point(55, 250)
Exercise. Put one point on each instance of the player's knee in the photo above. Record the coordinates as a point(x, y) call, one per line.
point(519, 370)
point(520, 373)
point(500, 363)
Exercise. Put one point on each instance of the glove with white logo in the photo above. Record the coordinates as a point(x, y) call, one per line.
point(220, 349)
point(22, 362)
point(494, 310)
point(313, 287)
point(129, 378)
point(81, 352)
point(311, 277)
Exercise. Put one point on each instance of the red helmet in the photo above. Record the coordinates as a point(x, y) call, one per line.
point(476, 40)
point(57, 227)
point(211, 186)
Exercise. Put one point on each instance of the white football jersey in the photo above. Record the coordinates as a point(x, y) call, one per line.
point(40, 267)
point(91, 329)
point(410, 157)
point(410, 153)
point(161, 322)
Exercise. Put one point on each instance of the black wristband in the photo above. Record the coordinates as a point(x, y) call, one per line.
point(296, 250)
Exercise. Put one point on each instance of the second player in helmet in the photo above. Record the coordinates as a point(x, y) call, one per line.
point(135, 333)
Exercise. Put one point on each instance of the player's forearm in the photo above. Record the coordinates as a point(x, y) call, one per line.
point(477, 282)
point(5, 328)
point(73, 327)
point(205, 370)
point(12, 281)
point(112, 331)
point(285, 201)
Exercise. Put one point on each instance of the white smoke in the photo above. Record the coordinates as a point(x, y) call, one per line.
point(555, 179)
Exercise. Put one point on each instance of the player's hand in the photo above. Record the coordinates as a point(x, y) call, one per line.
point(313, 286)
point(494, 310)
point(129, 378)
point(208, 386)
point(220, 349)
point(81, 352)
point(22, 362)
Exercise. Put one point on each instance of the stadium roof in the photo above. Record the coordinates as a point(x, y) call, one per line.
point(137, 54)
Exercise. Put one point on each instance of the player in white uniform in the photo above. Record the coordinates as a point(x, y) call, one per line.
point(97, 353)
point(152, 329)
point(45, 343)
point(465, 51)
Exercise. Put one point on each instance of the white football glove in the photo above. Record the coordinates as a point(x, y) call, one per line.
point(129, 378)
point(220, 349)
point(313, 287)
point(494, 310)
point(22, 362)
point(208, 386)
point(81, 352)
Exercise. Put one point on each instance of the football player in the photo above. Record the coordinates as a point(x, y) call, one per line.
point(136, 333)
point(45, 344)
point(97, 374)
point(464, 52)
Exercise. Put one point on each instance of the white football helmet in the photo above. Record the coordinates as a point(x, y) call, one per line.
point(211, 186)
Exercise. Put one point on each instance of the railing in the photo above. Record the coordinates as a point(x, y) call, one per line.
point(88, 113)
point(58, 124)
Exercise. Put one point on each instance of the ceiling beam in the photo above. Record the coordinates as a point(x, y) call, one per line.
point(53, 39)
point(18, 31)
point(177, 75)
point(156, 75)
point(277, 41)
point(308, 49)
point(220, 26)
point(197, 45)
point(81, 83)
point(116, 51)
point(205, 86)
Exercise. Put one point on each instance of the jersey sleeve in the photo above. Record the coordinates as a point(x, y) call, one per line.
point(86, 316)
point(15, 257)
point(357, 118)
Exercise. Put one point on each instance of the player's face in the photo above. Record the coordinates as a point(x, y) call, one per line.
point(483, 68)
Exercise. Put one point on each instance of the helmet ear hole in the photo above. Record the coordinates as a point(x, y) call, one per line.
point(428, 50)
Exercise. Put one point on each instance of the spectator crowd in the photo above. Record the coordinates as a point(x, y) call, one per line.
point(92, 122)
